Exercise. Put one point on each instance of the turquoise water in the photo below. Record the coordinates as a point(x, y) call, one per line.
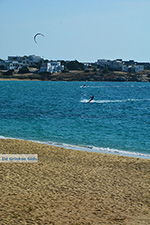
point(117, 121)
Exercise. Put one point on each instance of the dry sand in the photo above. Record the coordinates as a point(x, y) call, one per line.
point(68, 187)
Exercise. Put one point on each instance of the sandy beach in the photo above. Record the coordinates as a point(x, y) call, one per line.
point(68, 187)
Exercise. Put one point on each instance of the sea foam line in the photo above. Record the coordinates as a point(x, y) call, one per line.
point(88, 148)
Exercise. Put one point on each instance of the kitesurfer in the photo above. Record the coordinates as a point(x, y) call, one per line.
point(91, 98)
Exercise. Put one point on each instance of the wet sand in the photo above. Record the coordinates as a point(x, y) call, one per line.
point(68, 187)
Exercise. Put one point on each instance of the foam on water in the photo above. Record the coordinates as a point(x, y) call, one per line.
point(110, 86)
point(2, 137)
point(88, 148)
point(113, 101)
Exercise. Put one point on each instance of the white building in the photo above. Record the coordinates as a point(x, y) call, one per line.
point(14, 65)
point(25, 60)
point(51, 67)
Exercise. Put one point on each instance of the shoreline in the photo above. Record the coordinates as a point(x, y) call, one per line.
point(81, 75)
point(87, 148)
point(67, 187)
point(15, 79)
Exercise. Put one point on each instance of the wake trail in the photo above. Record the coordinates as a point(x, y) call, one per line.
point(116, 86)
point(113, 101)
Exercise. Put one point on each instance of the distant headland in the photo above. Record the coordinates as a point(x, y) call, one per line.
point(34, 67)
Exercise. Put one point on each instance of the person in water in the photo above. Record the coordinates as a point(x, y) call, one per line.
point(91, 98)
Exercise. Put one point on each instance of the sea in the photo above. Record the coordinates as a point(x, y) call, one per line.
point(59, 113)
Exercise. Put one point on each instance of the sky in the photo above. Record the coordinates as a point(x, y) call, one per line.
point(83, 30)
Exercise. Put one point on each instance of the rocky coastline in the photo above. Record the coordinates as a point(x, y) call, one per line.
point(79, 75)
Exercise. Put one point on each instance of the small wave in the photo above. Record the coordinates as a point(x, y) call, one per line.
point(121, 152)
point(2, 137)
point(98, 149)
point(113, 101)
point(88, 148)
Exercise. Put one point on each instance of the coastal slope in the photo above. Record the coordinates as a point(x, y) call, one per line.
point(73, 187)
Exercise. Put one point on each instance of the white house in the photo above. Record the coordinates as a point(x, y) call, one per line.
point(51, 67)
point(25, 60)
point(15, 65)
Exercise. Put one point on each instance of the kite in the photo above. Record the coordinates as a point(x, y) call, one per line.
point(35, 36)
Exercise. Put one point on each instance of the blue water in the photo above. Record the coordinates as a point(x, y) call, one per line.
point(117, 120)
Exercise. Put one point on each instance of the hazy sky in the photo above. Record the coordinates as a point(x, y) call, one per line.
point(85, 30)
